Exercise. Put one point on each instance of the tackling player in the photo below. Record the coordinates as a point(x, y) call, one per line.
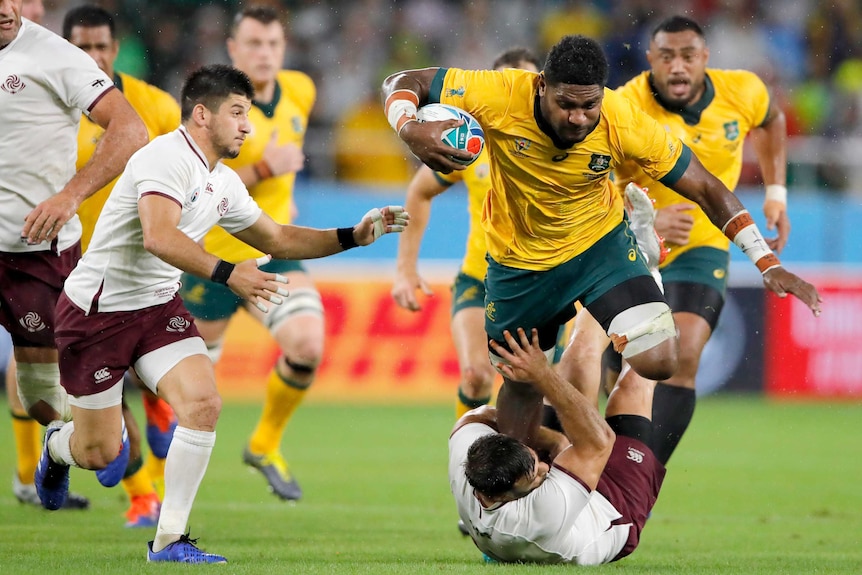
point(587, 506)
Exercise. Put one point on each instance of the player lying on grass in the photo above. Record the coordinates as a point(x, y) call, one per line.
point(589, 504)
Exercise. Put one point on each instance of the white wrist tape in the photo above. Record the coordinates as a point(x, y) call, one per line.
point(776, 192)
point(742, 231)
point(401, 107)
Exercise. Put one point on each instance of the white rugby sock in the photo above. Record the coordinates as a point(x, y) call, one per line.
point(60, 446)
point(185, 466)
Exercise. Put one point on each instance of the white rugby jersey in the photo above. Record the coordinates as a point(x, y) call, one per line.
point(45, 84)
point(560, 521)
point(117, 273)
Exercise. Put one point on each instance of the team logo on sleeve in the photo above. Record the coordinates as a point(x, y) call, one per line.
point(223, 207)
point(13, 84)
point(599, 162)
point(731, 130)
point(459, 91)
point(296, 124)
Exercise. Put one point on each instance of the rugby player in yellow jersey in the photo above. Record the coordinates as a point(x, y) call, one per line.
point(92, 29)
point(712, 111)
point(554, 224)
point(267, 163)
point(468, 291)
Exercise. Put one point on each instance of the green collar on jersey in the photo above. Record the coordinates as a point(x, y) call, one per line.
point(690, 114)
point(268, 109)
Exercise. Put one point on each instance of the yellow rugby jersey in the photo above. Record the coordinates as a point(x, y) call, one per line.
point(160, 113)
point(734, 103)
point(477, 179)
point(287, 116)
point(546, 204)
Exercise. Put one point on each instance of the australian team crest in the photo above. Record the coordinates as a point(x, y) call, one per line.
point(731, 130)
point(599, 162)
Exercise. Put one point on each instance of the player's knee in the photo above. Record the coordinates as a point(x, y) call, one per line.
point(477, 379)
point(201, 413)
point(98, 453)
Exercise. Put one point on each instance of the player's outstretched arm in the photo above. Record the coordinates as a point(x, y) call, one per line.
point(291, 242)
point(728, 214)
point(403, 94)
point(591, 437)
point(422, 188)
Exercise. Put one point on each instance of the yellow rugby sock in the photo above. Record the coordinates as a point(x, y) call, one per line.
point(28, 445)
point(137, 481)
point(464, 404)
point(283, 396)
point(156, 472)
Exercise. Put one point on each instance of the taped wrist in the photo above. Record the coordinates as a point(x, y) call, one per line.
point(742, 231)
point(262, 170)
point(776, 192)
point(400, 108)
point(221, 272)
point(345, 238)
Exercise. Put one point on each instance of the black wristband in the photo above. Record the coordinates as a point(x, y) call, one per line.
point(345, 238)
point(222, 272)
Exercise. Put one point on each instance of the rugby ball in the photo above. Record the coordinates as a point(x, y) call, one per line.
point(469, 136)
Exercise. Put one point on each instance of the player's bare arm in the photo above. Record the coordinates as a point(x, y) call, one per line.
point(289, 242)
point(591, 437)
point(278, 159)
point(403, 94)
point(160, 217)
point(728, 214)
point(770, 147)
point(124, 134)
point(422, 189)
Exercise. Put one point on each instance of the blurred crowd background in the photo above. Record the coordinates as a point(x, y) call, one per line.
point(808, 51)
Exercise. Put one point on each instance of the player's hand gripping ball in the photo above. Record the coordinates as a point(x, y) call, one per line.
point(468, 136)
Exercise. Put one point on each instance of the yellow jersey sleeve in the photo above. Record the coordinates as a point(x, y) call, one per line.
point(547, 205)
point(734, 103)
point(160, 113)
point(286, 119)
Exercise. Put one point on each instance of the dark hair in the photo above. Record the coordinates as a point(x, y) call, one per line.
point(577, 60)
point(88, 16)
point(495, 462)
point(675, 24)
point(262, 13)
point(211, 85)
point(514, 56)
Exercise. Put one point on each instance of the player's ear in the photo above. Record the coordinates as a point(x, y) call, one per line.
point(542, 83)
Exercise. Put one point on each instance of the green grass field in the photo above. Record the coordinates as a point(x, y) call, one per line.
point(756, 488)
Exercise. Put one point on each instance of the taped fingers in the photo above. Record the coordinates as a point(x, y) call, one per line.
point(263, 260)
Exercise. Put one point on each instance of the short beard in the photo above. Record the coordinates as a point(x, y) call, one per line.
point(226, 153)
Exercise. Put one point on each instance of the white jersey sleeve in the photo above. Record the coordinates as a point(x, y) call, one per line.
point(45, 84)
